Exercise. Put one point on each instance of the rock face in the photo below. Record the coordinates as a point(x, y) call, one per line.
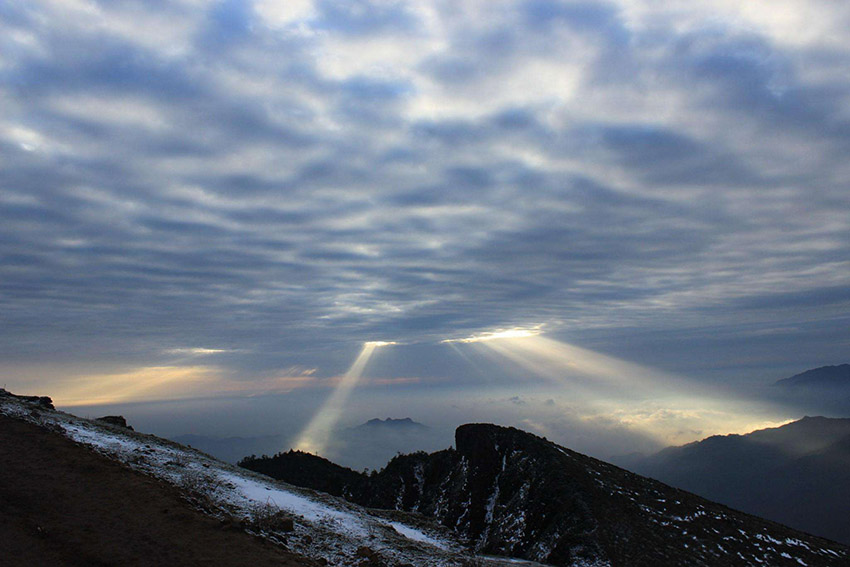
point(41, 401)
point(508, 492)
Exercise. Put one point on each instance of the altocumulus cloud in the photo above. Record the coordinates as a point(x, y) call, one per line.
point(280, 181)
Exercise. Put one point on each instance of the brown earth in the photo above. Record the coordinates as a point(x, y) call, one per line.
point(62, 504)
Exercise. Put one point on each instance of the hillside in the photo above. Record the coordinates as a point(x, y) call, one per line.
point(66, 505)
point(505, 491)
point(797, 474)
point(823, 377)
point(82, 492)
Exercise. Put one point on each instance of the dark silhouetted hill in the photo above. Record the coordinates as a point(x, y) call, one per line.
point(508, 492)
point(304, 469)
point(404, 423)
point(823, 377)
point(797, 474)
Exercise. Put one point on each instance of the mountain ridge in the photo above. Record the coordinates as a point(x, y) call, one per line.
point(317, 528)
point(394, 423)
point(506, 491)
point(797, 474)
point(823, 376)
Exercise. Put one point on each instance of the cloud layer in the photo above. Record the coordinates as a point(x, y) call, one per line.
point(281, 181)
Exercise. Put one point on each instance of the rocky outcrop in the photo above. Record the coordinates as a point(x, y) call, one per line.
point(116, 420)
point(508, 492)
point(40, 401)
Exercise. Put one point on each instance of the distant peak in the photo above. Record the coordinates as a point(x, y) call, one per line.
point(403, 422)
point(823, 376)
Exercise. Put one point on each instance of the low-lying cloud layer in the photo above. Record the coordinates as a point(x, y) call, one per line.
point(266, 185)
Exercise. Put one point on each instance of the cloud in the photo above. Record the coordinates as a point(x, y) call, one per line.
point(195, 351)
point(293, 183)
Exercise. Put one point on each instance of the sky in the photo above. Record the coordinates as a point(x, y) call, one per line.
point(207, 209)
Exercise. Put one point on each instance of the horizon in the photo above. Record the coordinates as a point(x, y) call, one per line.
point(615, 224)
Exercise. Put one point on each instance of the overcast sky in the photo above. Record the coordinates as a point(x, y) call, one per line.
point(229, 198)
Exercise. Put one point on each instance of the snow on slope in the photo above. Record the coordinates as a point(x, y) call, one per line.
point(323, 526)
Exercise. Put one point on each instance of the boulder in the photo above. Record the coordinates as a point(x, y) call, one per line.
point(116, 420)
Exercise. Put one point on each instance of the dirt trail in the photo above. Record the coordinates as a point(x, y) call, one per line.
point(64, 505)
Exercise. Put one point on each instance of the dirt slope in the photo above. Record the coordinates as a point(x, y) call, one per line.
point(64, 505)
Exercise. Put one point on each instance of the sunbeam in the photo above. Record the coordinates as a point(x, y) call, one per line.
point(661, 405)
point(515, 333)
point(146, 383)
point(468, 359)
point(562, 362)
point(315, 437)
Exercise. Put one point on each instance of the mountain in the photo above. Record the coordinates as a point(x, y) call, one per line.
point(819, 391)
point(403, 424)
point(797, 474)
point(76, 492)
point(823, 377)
point(504, 491)
point(373, 443)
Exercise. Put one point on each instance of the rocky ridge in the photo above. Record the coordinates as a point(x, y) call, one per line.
point(508, 492)
point(317, 527)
